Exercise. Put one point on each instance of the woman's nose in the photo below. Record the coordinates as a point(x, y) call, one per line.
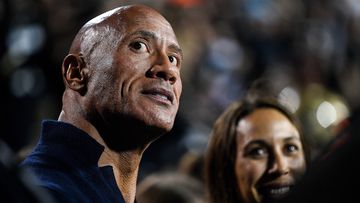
point(279, 164)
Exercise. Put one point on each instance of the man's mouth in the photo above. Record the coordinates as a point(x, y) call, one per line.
point(160, 94)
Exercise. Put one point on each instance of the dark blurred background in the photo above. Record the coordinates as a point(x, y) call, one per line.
point(308, 50)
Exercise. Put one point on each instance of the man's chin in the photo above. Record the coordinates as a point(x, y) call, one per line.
point(159, 130)
point(161, 125)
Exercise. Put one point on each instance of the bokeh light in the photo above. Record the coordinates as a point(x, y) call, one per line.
point(290, 98)
point(326, 114)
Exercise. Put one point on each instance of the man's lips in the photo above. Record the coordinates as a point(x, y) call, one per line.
point(160, 94)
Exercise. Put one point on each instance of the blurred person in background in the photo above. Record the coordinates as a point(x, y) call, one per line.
point(17, 183)
point(123, 85)
point(192, 164)
point(256, 153)
point(174, 187)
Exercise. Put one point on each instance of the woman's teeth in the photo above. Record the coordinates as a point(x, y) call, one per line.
point(279, 191)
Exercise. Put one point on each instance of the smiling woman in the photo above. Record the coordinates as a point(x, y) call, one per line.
point(256, 153)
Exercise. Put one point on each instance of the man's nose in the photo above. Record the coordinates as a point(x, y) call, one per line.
point(279, 164)
point(162, 68)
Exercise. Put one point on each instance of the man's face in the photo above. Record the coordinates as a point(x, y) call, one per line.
point(270, 156)
point(141, 80)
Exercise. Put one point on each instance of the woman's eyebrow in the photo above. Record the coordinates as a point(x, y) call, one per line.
point(292, 137)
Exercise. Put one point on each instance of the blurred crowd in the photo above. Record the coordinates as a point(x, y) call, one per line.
point(308, 50)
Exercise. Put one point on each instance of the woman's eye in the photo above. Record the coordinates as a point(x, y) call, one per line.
point(291, 148)
point(173, 60)
point(139, 46)
point(257, 152)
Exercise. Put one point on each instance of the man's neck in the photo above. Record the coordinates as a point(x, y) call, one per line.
point(125, 164)
point(125, 167)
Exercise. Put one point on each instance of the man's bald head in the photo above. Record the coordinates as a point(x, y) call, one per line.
point(107, 29)
point(124, 67)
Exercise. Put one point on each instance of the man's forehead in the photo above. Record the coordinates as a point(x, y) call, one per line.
point(101, 18)
point(130, 14)
point(125, 21)
point(146, 21)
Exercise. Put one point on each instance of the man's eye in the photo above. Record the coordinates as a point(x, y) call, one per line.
point(139, 46)
point(173, 60)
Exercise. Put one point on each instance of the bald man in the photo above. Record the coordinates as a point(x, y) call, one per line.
point(122, 79)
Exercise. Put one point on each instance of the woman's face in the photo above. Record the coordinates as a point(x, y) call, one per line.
point(270, 156)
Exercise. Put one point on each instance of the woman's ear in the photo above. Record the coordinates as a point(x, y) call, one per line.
point(74, 72)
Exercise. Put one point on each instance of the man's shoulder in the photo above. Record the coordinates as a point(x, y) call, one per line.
point(66, 184)
point(48, 172)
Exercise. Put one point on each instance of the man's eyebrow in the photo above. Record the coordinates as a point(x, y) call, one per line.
point(148, 34)
point(145, 33)
point(177, 49)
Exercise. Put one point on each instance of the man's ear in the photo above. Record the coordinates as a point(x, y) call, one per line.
point(75, 73)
